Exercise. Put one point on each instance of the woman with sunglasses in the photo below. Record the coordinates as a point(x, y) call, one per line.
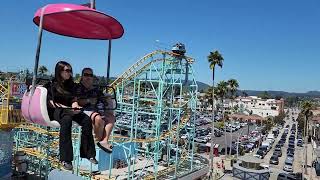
point(91, 98)
point(60, 99)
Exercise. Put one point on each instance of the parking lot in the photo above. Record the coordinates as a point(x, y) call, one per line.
point(242, 131)
point(204, 137)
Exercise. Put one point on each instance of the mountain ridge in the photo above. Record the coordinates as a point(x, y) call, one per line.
point(203, 86)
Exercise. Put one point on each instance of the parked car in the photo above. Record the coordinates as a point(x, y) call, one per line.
point(200, 140)
point(233, 151)
point(290, 150)
point(291, 146)
point(290, 154)
point(288, 168)
point(260, 154)
point(274, 160)
point(278, 147)
point(290, 176)
point(289, 161)
point(277, 153)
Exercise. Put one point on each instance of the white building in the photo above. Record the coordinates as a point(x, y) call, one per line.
point(261, 107)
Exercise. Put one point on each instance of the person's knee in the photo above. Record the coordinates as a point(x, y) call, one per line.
point(99, 122)
point(98, 119)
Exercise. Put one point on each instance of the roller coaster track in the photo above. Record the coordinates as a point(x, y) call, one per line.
point(42, 131)
point(132, 70)
point(54, 162)
point(32, 152)
point(138, 72)
point(10, 118)
point(171, 168)
point(3, 91)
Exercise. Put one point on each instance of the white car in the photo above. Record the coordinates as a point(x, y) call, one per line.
point(288, 168)
point(200, 140)
point(265, 166)
point(243, 124)
point(258, 156)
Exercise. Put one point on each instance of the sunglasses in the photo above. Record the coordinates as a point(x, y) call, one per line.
point(68, 70)
point(87, 74)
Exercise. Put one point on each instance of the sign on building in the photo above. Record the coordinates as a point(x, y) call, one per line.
point(17, 89)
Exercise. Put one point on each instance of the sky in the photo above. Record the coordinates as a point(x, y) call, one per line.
point(266, 45)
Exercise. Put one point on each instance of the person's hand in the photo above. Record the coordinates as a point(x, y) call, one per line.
point(77, 108)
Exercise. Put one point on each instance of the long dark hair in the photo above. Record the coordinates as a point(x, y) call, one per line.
point(64, 87)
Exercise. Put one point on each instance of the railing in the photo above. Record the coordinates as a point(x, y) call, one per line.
point(250, 174)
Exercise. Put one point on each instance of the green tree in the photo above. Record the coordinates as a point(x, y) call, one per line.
point(265, 95)
point(279, 119)
point(278, 97)
point(214, 59)
point(77, 78)
point(221, 92)
point(291, 101)
point(306, 111)
point(42, 70)
point(268, 124)
point(219, 125)
point(233, 86)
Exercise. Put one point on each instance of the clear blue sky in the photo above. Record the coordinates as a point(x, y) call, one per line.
point(267, 45)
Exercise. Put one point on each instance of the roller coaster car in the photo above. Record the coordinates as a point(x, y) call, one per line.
point(72, 21)
point(179, 48)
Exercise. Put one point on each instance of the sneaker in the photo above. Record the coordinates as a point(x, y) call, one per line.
point(67, 165)
point(93, 160)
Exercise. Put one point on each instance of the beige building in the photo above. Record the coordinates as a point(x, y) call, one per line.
point(258, 106)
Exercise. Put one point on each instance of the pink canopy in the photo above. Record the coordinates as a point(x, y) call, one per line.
point(79, 21)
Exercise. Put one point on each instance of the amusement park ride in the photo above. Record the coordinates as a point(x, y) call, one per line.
point(156, 98)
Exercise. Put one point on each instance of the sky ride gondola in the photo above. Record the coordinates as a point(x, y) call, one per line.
point(69, 20)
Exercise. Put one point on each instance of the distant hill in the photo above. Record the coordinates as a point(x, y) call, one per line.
point(282, 93)
point(313, 94)
point(202, 86)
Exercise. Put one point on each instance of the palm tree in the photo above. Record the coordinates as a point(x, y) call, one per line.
point(306, 111)
point(42, 70)
point(214, 58)
point(221, 92)
point(233, 86)
point(208, 96)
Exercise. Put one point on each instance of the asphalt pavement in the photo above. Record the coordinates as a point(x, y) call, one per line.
point(276, 169)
